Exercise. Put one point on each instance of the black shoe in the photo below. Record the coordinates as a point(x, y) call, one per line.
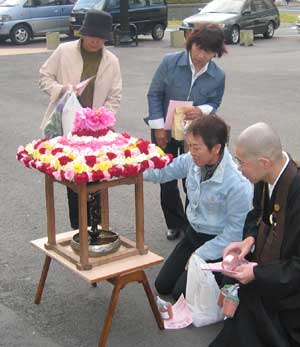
point(173, 234)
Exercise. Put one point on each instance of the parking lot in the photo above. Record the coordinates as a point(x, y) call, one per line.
point(262, 84)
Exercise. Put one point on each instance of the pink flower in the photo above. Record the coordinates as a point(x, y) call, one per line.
point(93, 119)
point(69, 173)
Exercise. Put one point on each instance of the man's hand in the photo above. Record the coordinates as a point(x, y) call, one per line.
point(193, 112)
point(161, 137)
point(241, 248)
point(243, 273)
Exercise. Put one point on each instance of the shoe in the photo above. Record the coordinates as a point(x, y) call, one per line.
point(173, 234)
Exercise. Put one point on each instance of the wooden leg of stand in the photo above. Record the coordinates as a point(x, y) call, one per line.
point(119, 283)
point(40, 288)
point(110, 313)
point(152, 302)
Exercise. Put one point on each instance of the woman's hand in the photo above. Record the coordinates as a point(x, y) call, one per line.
point(193, 112)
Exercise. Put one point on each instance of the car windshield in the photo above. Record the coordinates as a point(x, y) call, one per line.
point(224, 6)
point(88, 4)
point(11, 3)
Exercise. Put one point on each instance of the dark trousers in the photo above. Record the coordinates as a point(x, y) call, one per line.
point(173, 276)
point(74, 209)
point(170, 199)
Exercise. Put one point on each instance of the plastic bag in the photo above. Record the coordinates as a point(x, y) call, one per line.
point(202, 294)
point(62, 117)
point(70, 108)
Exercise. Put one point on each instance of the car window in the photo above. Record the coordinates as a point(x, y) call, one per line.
point(112, 4)
point(88, 4)
point(137, 3)
point(157, 2)
point(258, 5)
point(224, 6)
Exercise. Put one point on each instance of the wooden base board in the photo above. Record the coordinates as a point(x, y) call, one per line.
point(110, 269)
point(63, 248)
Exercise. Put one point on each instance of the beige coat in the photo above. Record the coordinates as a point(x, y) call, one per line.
point(64, 67)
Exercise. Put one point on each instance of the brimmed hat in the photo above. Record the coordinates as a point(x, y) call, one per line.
point(97, 24)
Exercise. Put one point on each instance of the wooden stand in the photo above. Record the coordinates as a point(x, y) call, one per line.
point(63, 247)
point(120, 268)
point(119, 273)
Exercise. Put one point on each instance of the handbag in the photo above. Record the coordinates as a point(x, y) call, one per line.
point(202, 293)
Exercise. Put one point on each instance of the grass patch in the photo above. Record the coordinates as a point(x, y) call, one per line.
point(285, 18)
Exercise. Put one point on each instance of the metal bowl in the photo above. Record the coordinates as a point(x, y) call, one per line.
point(108, 242)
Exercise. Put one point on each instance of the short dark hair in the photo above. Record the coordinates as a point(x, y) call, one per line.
point(209, 37)
point(211, 128)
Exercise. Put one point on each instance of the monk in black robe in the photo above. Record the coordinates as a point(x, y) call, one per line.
point(268, 314)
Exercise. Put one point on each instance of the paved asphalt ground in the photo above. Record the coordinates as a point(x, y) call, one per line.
point(262, 85)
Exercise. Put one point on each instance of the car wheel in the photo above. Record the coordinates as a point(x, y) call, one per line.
point(20, 34)
point(270, 31)
point(158, 32)
point(235, 35)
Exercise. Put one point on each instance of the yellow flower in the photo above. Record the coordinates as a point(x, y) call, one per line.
point(36, 154)
point(103, 166)
point(79, 167)
point(45, 158)
point(160, 151)
point(55, 164)
point(48, 146)
point(130, 147)
point(71, 156)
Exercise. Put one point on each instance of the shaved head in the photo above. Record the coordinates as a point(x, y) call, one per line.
point(260, 141)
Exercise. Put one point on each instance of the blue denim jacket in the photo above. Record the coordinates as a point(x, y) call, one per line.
point(172, 81)
point(217, 206)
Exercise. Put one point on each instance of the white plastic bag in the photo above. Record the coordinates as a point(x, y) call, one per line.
point(202, 294)
point(68, 114)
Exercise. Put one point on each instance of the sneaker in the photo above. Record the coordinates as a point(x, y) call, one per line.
point(173, 234)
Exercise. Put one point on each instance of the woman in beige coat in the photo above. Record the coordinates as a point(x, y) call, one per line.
point(76, 61)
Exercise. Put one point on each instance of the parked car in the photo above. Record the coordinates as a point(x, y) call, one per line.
point(21, 20)
point(149, 16)
point(298, 24)
point(261, 16)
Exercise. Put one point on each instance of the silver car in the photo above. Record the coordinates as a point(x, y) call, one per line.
point(21, 20)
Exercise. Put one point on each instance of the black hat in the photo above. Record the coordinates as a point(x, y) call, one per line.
point(97, 24)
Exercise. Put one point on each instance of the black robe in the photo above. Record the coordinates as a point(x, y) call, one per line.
point(269, 311)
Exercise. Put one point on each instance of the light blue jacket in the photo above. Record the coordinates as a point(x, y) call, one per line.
point(172, 81)
point(217, 206)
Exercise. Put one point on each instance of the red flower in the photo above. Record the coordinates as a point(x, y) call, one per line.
point(62, 175)
point(170, 157)
point(81, 178)
point(90, 160)
point(56, 150)
point(127, 136)
point(142, 145)
point(42, 150)
point(158, 163)
point(97, 175)
point(144, 165)
point(22, 154)
point(26, 161)
point(115, 171)
point(39, 142)
point(111, 155)
point(130, 170)
point(127, 153)
point(64, 160)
